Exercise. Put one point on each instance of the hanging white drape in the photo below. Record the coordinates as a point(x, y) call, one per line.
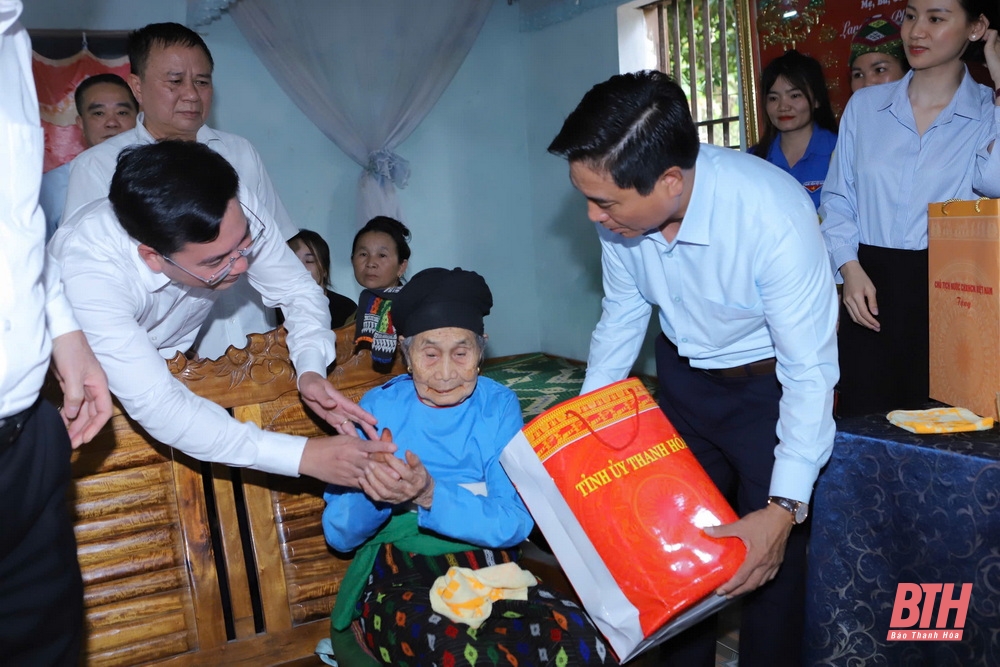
point(366, 72)
point(203, 12)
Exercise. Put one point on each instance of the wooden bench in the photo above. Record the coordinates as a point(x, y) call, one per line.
point(190, 563)
point(187, 563)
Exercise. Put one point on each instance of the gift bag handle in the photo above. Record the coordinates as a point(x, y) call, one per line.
point(944, 206)
point(635, 432)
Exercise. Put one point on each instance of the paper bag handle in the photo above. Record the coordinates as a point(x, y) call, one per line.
point(601, 440)
point(944, 206)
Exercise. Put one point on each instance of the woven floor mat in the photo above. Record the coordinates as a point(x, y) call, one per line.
point(541, 381)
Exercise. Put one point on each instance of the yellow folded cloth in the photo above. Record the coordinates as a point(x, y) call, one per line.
point(939, 420)
point(466, 596)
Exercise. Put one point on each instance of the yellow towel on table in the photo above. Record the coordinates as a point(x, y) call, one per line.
point(939, 420)
point(466, 596)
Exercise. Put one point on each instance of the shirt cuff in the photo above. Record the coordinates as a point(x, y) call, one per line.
point(280, 454)
point(793, 479)
point(843, 255)
point(310, 360)
point(59, 317)
point(60, 321)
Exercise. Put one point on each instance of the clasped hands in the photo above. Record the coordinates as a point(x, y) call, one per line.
point(359, 463)
point(391, 480)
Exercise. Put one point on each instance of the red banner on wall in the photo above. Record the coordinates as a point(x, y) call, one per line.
point(822, 29)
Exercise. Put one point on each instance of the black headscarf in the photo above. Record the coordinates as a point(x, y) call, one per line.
point(438, 298)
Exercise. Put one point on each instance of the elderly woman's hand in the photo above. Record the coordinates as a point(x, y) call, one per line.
point(391, 480)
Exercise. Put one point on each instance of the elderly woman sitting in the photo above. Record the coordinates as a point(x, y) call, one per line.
point(447, 503)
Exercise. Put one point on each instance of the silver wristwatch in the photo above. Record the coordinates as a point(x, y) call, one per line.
point(798, 509)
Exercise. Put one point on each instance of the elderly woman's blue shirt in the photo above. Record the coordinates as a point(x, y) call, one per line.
point(460, 446)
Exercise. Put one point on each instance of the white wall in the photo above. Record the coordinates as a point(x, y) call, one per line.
point(564, 62)
point(468, 198)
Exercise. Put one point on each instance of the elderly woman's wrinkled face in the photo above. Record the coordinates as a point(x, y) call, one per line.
point(445, 365)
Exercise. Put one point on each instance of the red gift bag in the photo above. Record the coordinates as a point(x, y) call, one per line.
point(622, 502)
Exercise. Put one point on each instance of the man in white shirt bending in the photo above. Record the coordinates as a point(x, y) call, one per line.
point(171, 76)
point(143, 268)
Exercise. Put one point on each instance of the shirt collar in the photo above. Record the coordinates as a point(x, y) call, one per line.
point(966, 102)
point(894, 96)
point(151, 280)
point(205, 135)
point(10, 10)
point(775, 156)
point(696, 225)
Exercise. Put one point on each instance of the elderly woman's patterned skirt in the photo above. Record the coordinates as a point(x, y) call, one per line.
point(401, 628)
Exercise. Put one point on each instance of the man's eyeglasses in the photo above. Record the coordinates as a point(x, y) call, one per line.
point(245, 251)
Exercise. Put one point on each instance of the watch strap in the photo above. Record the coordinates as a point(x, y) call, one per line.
point(798, 509)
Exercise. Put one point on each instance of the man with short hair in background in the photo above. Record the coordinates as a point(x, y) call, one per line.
point(105, 108)
point(172, 79)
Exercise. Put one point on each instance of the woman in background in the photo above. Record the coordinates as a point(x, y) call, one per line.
point(877, 54)
point(380, 254)
point(925, 138)
point(800, 130)
point(314, 253)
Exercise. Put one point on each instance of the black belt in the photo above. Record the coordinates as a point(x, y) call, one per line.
point(11, 427)
point(754, 368)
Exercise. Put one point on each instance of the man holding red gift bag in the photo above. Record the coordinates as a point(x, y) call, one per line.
point(729, 250)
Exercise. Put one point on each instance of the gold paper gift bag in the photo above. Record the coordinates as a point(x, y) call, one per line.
point(964, 292)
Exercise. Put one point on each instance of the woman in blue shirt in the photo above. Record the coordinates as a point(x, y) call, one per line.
point(925, 138)
point(800, 130)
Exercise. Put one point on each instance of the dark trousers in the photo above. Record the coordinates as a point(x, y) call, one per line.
point(729, 425)
point(889, 369)
point(41, 593)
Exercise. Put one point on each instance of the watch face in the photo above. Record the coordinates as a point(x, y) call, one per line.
point(801, 512)
point(798, 510)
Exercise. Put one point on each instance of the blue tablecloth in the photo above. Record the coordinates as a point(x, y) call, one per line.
point(891, 507)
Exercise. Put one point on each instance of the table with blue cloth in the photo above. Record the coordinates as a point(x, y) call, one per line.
point(891, 507)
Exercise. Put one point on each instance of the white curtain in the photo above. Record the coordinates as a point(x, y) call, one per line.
point(203, 12)
point(366, 72)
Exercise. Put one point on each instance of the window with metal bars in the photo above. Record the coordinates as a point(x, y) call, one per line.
point(696, 43)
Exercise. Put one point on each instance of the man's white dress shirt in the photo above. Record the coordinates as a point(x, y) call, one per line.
point(240, 311)
point(33, 309)
point(135, 318)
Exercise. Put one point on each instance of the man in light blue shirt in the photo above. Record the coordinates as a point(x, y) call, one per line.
point(728, 247)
